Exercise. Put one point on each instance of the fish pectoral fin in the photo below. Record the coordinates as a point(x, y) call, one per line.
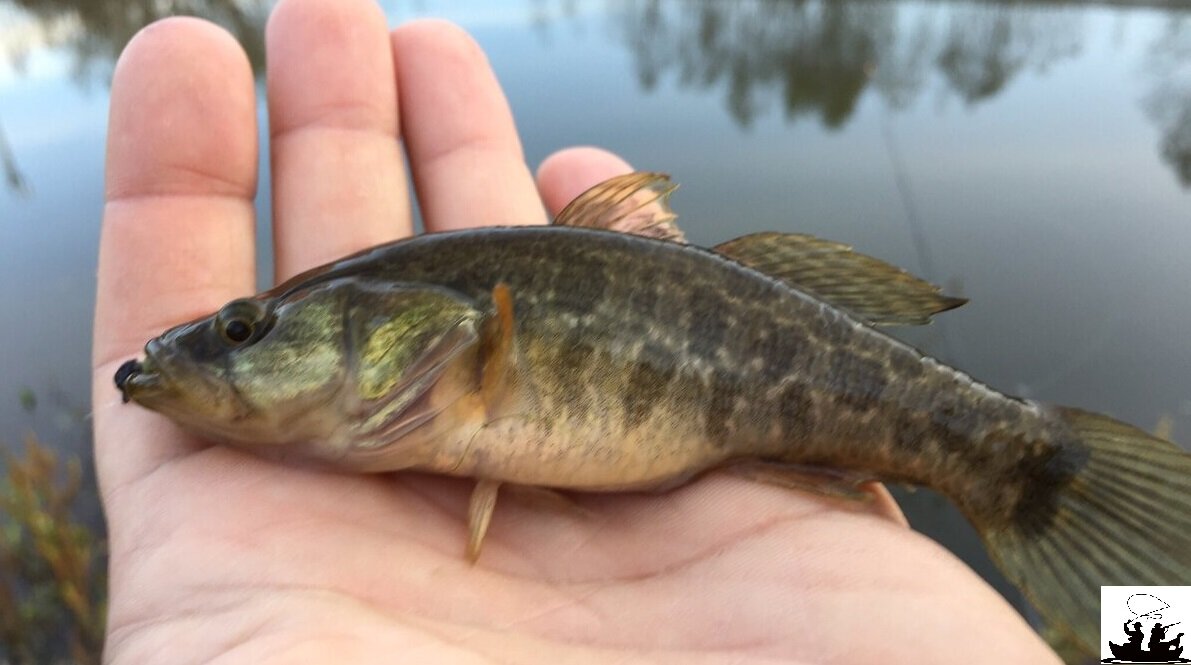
point(479, 515)
point(879, 293)
point(499, 351)
point(817, 480)
point(636, 203)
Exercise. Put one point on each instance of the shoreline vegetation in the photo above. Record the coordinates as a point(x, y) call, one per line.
point(53, 584)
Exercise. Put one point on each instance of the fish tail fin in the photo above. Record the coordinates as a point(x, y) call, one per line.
point(1122, 518)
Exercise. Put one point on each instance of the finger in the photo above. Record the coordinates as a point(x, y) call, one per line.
point(177, 238)
point(568, 173)
point(463, 147)
point(338, 179)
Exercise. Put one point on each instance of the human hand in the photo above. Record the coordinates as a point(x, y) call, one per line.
point(219, 556)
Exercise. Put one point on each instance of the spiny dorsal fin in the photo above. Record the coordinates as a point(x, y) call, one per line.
point(636, 203)
point(876, 291)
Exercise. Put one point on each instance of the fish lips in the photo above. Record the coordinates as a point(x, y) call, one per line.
point(136, 378)
point(124, 376)
point(141, 380)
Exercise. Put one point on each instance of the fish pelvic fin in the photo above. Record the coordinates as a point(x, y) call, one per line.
point(636, 203)
point(1123, 518)
point(875, 291)
point(479, 515)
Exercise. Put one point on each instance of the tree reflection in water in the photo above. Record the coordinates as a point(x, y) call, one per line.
point(1169, 104)
point(814, 58)
point(13, 178)
point(986, 46)
point(818, 58)
point(95, 31)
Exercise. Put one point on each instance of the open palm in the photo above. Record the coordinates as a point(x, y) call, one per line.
point(217, 556)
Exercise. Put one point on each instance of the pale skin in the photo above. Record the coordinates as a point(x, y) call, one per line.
point(217, 556)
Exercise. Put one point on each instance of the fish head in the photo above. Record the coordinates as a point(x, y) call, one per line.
point(313, 371)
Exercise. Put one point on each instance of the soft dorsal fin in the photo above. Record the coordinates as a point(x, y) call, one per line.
point(636, 203)
point(877, 292)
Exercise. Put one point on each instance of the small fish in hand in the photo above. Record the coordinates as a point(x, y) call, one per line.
point(604, 353)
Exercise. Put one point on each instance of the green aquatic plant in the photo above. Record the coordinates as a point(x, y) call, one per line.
point(52, 573)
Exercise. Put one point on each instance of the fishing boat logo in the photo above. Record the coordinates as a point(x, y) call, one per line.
point(1144, 624)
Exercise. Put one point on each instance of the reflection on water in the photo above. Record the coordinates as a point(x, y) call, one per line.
point(95, 31)
point(1169, 105)
point(986, 46)
point(813, 58)
point(818, 58)
point(13, 178)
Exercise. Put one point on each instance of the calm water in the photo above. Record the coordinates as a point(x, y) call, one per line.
point(1035, 157)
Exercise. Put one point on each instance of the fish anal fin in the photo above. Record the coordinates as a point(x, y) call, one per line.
point(816, 480)
point(635, 203)
point(875, 291)
point(498, 337)
point(479, 515)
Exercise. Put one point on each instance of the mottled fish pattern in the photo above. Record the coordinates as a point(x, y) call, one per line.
point(582, 358)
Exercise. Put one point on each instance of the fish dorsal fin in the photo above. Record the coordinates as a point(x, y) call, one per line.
point(636, 203)
point(877, 292)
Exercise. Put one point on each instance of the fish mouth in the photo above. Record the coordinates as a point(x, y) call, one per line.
point(124, 376)
point(136, 377)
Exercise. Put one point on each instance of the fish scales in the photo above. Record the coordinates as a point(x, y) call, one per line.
point(572, 358)
point(663, 358)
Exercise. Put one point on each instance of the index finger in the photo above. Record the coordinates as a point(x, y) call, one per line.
point(177, 239)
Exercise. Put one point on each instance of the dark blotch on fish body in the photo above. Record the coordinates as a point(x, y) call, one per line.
point(796, 408)
point(860, 381)
point(1047, 472)
point(721, 408)
point(574, 356)
point(646, 387)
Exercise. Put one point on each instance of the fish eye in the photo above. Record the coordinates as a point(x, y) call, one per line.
point(239, 321)
point(237, 331)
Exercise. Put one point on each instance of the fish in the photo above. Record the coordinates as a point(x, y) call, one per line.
point(605, 353)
